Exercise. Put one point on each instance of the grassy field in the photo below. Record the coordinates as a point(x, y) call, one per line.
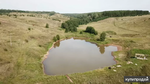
point(24, 40)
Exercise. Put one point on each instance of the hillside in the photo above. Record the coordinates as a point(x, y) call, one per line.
point(24, 40)
point(134, 28)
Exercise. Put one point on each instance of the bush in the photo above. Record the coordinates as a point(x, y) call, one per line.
point(47, 25)
point(91, 30)
point(29, 29)
point(81, 32)
point(58, 37)
point(102, 36)
point(5, 49)
point(54, 39)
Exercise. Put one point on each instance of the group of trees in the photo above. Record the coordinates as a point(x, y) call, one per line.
point(70, 25)
point(91, 30)
point(79, 19)
point(55, 38)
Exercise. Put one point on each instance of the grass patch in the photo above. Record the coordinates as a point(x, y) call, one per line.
point(110, 32)
point(49, 45)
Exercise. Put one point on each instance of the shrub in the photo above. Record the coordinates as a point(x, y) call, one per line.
point(54, 39)
point(47, 25)
point(102, 36)
point(91, 30)
point(5, 49)
point(58, 37)
point(40, 45)
point(29, 28)
point(81, 32)
point(26, 41)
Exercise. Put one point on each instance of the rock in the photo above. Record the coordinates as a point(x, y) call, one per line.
point(118, 65)
point(129, 62)
point(113, 67)
point(114, 70)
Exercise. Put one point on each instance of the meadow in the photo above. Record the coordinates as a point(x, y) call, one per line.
point(24, 41)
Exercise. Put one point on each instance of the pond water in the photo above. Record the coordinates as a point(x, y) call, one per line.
point(75, 55)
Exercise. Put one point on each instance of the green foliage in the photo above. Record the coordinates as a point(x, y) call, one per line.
point(58, 37)
point(54, 39)
point(5, 11)
point(79, 19)
point(67, 30)
point(81, 32)
point(64, 25)
point(102, 36)
point(91, 30)
point(124, 13)
point(47, 25)
point(29, 28)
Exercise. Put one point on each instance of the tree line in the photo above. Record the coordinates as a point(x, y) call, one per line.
point(80, 19)
point(7, 11)
point(124, 13)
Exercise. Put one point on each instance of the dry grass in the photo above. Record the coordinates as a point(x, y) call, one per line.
point(135, 28)
point(22, 49)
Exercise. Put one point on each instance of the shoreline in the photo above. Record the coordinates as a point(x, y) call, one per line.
point(119, 48)
point(46, 55)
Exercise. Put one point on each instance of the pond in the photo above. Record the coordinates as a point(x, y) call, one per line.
point(75, 55)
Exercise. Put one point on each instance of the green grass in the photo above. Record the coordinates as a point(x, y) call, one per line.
point(140, 51)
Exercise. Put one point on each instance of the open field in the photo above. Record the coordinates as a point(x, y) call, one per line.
point(135, 28)
point(24, 40)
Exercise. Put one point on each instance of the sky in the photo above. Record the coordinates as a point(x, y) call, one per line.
point(75, 6)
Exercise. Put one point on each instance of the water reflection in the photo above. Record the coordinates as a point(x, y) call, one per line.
point(102, 49)
point(57, 44)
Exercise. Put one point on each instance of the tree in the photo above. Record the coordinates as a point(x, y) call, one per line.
point(47, 26)
point(54, 39)
point(66, 30)
point(102, 36)
point(81, 32)
point(64, 25)
point(58, 37)
point(91, 30)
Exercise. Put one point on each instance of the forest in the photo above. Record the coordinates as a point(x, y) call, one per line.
point(79, 19)
point(5, 11)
